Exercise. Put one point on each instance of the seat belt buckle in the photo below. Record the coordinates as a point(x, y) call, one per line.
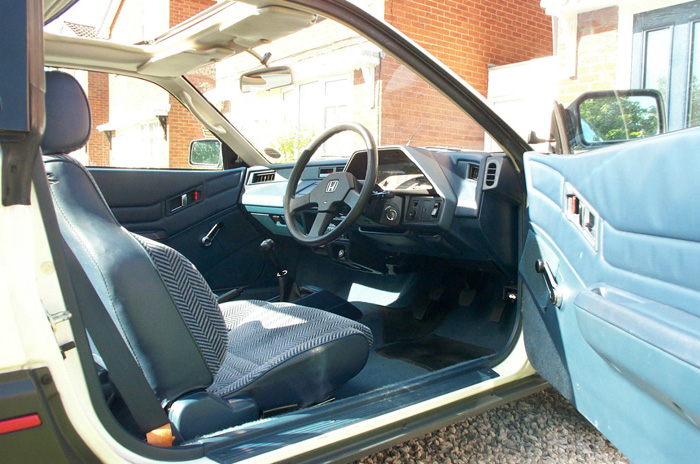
point(162, 436)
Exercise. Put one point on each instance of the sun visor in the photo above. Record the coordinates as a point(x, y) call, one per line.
point(178, 62)
point(237, 35)
point(268, 24)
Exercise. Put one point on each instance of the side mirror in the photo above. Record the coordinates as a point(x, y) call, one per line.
point(533, 138)
point(206, 153)
point(561, 130)
point(266, 79)
point(613, 116)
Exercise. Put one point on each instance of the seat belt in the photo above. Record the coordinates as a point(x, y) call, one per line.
point(123, 369)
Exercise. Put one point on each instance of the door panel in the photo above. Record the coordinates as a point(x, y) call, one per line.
point(624, 346)
point(141, 200)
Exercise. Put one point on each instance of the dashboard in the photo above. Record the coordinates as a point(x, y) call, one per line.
point(427, 202)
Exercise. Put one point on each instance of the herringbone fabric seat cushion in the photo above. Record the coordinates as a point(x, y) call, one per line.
point(264, 335)
point(193, 298)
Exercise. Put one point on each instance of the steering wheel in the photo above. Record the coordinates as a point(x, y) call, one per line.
point(334, 191)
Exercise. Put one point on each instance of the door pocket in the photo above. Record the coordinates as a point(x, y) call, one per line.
point(650, 344)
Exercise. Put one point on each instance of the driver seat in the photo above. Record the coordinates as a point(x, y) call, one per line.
point(280, 355)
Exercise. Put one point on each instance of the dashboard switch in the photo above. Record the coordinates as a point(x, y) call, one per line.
point(423, 209)
point(436, 209)
point(413, 210)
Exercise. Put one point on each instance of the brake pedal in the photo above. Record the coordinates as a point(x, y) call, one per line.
point(466, 297)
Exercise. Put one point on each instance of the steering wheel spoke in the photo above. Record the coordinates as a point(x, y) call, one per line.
point(300, 203)
point(321, 222)
point(352, 198)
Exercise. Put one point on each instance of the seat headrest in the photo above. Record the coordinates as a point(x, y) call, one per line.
point(68, 119)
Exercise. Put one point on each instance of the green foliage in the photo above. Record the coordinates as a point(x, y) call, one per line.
point(614, 119)
point(694, 116)
point(291, 144)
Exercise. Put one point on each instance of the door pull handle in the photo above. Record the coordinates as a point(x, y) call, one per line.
point(208, 239)
point(550, 281)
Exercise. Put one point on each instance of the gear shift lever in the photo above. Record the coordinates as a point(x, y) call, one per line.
point(288, 288)
point(268, 247)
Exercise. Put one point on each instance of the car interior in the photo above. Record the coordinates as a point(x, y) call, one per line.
point(308, 241)
point(259, 290)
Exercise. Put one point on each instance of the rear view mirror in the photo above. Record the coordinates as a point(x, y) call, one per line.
point(206, 153)
point(266, 79)
point(613, 116)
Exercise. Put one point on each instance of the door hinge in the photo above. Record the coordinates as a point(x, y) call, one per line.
point(57, 318)
point(54, 320)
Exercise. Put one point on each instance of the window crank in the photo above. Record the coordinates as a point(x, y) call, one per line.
point(209, 238)
point(555, 296)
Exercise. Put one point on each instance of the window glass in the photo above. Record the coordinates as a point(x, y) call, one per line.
point(136, 124)
point(669, 60)
point(125, 21)
point(309, 108)
point(694, 91)
point(657, 60)
point(339, 76)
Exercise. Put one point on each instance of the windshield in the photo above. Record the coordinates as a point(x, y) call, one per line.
point(338, 76)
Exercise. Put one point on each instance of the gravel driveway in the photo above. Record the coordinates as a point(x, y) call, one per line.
point(542, 428)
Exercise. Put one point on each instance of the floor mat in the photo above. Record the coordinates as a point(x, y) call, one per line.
point(400, 326)
point(331, 303)
point(433, 352)
point(380, 371)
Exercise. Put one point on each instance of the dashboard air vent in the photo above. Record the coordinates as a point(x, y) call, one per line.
point(491, 174)
point(262, 176)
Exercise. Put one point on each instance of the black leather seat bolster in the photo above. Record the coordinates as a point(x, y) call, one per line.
point(308, 376)
point(132, 290)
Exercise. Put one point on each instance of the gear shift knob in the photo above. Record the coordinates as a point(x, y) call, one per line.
point(288, 288)
point(267, 245)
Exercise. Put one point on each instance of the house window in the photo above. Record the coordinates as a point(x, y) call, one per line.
point(140, 146)
point(314, 106)
point(337, 107)
point(657, 60)
point(135, 124)
point(309, 107)
point(666, 57)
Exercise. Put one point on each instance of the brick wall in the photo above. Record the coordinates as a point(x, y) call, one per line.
point(98, 97)
point(182, 126)
point(181, 10)
point(366, 108)
point(468, 36)
point(412, 110)
point(596, 54)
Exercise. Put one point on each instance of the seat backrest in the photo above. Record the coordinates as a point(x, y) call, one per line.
point(161, 305)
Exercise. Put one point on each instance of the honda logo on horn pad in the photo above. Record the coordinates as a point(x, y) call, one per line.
point(332, 185)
